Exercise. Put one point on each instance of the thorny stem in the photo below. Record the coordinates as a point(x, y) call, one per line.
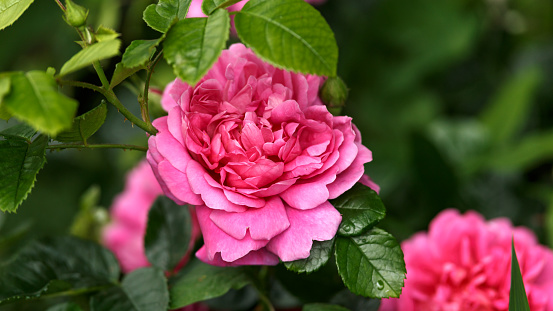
point(60, 5)
point(144, 103)
point(96, 146)
point(101, 74)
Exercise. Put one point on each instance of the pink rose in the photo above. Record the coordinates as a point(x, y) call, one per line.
point(463, 264)
point(124, 236)
point(260, 155)
point(195, 9)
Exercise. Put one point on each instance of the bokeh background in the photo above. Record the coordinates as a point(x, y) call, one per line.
point(453, 97)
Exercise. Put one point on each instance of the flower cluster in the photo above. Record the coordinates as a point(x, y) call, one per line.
point(124, 236)
point(257, 152)
point(463, 264)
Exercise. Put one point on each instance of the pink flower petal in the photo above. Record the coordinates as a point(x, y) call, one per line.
point(260, 257)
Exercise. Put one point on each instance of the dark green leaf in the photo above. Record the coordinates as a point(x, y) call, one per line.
point(90, 54)
point(161, 16)
point(5, 86)
point(200, 281)
point(371, 264)
point(361, 209)
point(121, 73)
point(354, 302)
point(194, 44)
point(34, 98)
point(509, 109)
point(209, 6)
point(20, 162)
point(290, 34)
point(66, 306)
point(20, 130)
point(323, 307)
point(54, 265)
point(139, 52)
point(518, 301)
point(85, 125)
point(10, 11)
point(141, 290)
point(320, 253)
point(167, 234)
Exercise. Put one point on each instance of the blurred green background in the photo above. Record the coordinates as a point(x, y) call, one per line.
point(453, 97)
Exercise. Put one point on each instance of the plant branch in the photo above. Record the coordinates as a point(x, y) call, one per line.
point(144, 102)
point(83, 85)
point(76, 292)
point(96, 146)
point(60, 5)
point(101, 74)
point(112, 98)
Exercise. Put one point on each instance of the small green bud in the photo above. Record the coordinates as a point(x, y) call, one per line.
point(75, 15)
point(334, 94)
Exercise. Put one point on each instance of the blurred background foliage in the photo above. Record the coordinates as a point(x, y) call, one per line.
point(453, 97)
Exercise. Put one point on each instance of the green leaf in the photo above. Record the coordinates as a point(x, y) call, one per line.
point(139, 52)
point(85, 125)
point(200, 281)
point(20, 162)
point(518, 301)
point(161, 16)
point(141, 290)
point(5, 86)
point(20, 130)
point(11, 10)
point(34, 99)
point(509, 109)
point(320, 253)
point(371, 264)
point(66, 306)
point(323, 307)
point(105, 34)
point(361, 209)
point(194, 44)
point(91, 218)
point(90, 54)
point(290, 34)
point(167, 234)
point(121, 73)
point(209, 6)
point(54, 265)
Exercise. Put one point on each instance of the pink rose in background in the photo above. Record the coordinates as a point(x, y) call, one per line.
point(260, 155)
point(124, 236)
point(195, 9)
point(463, 264)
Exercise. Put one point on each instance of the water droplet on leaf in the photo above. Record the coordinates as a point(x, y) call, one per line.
point(379, 285)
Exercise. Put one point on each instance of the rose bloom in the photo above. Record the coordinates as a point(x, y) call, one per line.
point(195, 9)
point(463, 263)
point(260, 155)
point(124, 236)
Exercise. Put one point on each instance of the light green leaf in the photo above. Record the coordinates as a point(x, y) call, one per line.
point(371, 264)
point(11, 10)
point(55, 265)
point(290, 34)
point(34, 98)
point(194, 44)
point(121, 73)
point(200, 281)
point(105, 34)
point(5, 86)
point(361, 209)
point(85, 125)
point(318, 257)
point(323, 307)
point(161, 16)
point(141, 290)
point(209, 6)
point(167, 234)
point(90, 54)
point(518, 301)
point(139, 52)
point(66, 306)
point(20, 162)
point(509, 109)
point(20, 130)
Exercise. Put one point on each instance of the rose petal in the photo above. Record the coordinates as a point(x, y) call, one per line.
point(260, 257)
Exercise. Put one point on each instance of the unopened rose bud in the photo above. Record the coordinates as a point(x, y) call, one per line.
point(334, 94)
point(75, 15)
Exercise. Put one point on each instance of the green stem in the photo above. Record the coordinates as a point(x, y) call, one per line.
point(60, 5)
point(83, 85)
point(76, 292)
point(101, 74)
point(144, 103)
point(96, 146)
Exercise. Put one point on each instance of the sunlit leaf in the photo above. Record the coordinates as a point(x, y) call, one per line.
point(162, 15)
point(11, 10)
point(90, 54)
point(209, 6)
point(139, 52)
